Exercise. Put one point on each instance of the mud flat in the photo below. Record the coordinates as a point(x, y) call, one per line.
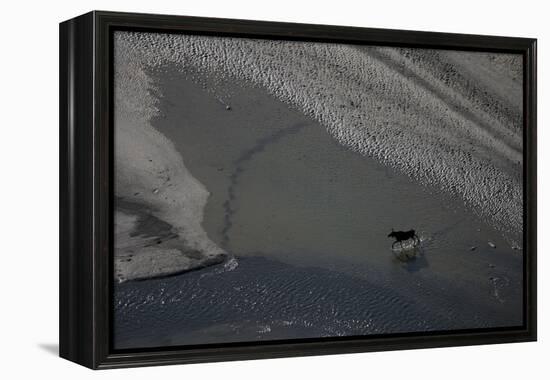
point(451, 120)
point(159, 204)
point(448, 120)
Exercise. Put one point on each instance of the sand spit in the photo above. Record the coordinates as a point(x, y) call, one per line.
point(451, 120)
point(159, 204)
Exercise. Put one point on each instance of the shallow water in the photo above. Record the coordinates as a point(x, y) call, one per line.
point(308, 221)
point(266, 300)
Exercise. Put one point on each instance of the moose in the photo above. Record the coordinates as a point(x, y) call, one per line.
point(401, 236)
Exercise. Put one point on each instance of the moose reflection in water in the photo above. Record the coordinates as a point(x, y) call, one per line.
point(410, 250)
point(408, 253)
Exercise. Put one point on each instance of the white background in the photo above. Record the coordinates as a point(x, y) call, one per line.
point(29, 187)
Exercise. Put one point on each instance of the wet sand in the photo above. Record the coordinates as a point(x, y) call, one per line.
point(448, 119)
point(284, 194)
point(158, 203)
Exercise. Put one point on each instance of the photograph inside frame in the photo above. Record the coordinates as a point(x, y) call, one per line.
point(272, 190)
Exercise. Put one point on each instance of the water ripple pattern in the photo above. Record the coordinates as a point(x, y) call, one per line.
point(264, 299)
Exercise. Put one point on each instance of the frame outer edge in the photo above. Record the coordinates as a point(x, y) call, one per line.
point(531, 204)
point(103, 185)
point(76, 303)
point(85, 181)
point(65, 325)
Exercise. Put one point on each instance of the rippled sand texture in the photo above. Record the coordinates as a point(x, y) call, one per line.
point(159, 204)
point(448, 119)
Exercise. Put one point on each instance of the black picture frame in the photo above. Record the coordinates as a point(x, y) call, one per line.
point(86, 178)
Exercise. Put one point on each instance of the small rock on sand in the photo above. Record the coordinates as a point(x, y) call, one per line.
point(492, 245)
point(473, 248)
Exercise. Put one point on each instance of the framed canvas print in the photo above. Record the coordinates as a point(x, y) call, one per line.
point(238, 189)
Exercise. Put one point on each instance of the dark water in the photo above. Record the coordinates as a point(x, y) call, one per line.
point(307, 220)
point(263, 299)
